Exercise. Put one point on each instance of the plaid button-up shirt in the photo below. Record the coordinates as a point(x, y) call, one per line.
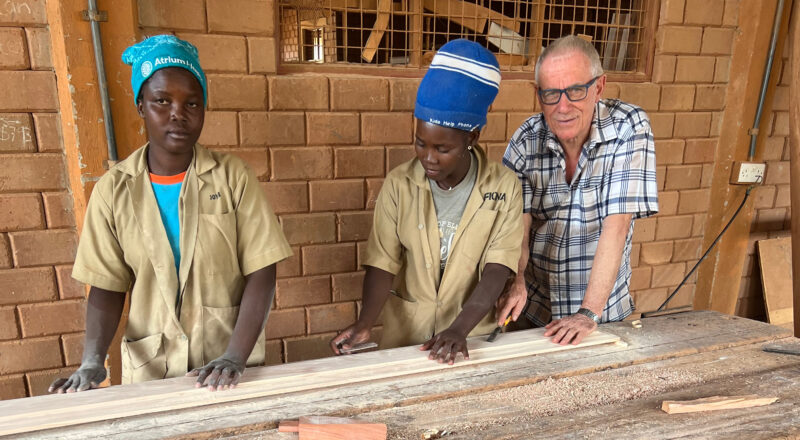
point(616, 174)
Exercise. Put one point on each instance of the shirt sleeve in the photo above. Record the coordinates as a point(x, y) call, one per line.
point(515, 158)
point(384, 249)
point(631, 186)
point(506, 240)
point(100, 261)
point(260, 237)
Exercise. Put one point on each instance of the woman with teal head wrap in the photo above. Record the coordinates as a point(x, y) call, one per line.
point(187, 231)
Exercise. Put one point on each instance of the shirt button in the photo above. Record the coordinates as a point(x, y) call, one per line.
point(420, 226)
point(183, 337)
point(428, 265)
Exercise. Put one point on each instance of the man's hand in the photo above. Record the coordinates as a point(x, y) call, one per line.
point(349, 337)
point(446, 346)
point(571, 329)
point(512, 301)
point(220, 374)
point(87, 377)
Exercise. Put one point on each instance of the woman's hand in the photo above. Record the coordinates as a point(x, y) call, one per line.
point(86, 377)
point(347, 338)
point(220, 374)
point(446, 346)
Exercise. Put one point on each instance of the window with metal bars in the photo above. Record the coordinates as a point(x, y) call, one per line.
point(406, 33)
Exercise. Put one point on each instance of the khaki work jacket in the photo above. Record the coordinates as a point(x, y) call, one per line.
point(178, 321)
point(405, 242)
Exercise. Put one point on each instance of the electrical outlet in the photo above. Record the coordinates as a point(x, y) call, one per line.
point(746, 173)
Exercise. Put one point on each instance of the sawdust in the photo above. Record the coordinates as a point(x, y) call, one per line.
point(542, 399)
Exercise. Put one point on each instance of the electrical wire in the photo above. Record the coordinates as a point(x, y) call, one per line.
point(716, 240)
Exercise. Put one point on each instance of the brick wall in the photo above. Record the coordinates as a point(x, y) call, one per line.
point(321, 144)
point(41, 307)
point(772, 212)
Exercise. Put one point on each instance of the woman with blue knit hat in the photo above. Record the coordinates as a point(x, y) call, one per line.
point(187, 231)
point(447, 226)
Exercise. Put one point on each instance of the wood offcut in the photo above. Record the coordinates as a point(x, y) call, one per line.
point(715, 403)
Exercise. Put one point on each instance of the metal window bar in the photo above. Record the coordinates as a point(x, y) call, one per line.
point(406, 33)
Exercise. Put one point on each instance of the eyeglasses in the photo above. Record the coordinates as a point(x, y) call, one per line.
point(574, 93)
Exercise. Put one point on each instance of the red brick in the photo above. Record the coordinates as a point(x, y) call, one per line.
point(710, 97)
point(514, 122)
point(777, 173)
point(12, 387)
point(717, 41)
point(255, 158)
point(644, 230)
point(337, 195)
point(290, 267)
point(16, 133)
point(780, 100)
point(15, 56)
point(298, 93)
point(5, 252)
point(773, 148)
point(636, 251)
point(398, 155)
point(261, 54)
point(302, 163)
point(48, 132)
point(44, 319)
point(495, 152)
point(287, 196)
point(373, 188)
point(347, 286)
point(237, 92)
point(68, 287)
point(683, 176)
point(29, 354)
point(640, 278)
point(274, 354)
point(288, 322)
point(731, 16)
point(691, 69)
point(656, 253)
point(20, 212)
point(770, 219)
point(331, 317)
point(362, 94)
point(295, 292)
point(693, 201)
point(671, 12)
point(273, 128)
point(783, 198)
point(73, 348)
point(780, 126)
point(722, 70)
point(361, 248)
point(706, 12)
point(764, 197)
point(219, 53)
point(403, 93)
point(662, 124)
point(679, 97)
point(669, 152)
point(700, 150)
point(174, 14)
point(668, 203)
point(309, 228)
point(32, 172)
point(37, 248)
point(686, 250)
point(518, 95)
point(308, 347)
point(241, 16)
point(354, 226)
point(358, 161)
point(648, 300)
point(329, 258)
point(692, 125)
point(23, 12)
point(699, 225)
point(664, 68)
point(39, 48)
point(679, 39)
point(39, 381)
point(386, 128)
point(610, 91)
point(670, 228)
point(661, 177)
point(495, 129)
point(8, 324)
point(644, 95)
point(332, 128)
point(668, 275)
point(58, 207)
point(708, 174)
point(219, 128)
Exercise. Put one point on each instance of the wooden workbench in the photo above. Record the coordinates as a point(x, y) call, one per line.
point(612, 391)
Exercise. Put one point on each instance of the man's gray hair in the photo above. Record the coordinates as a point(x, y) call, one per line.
point(568, 44)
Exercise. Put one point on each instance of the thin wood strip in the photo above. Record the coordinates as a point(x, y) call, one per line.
point(45, 412)
point(715, 403)
point(375, 37)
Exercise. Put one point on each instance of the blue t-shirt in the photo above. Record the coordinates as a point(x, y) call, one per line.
point(168, 192)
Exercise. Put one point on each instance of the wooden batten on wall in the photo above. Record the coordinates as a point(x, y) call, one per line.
point(794, 142)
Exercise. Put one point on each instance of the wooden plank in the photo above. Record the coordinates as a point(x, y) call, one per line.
point(339, 428)
point(775, 259)
point(470, 15)
point(378, 29)
point(794, 154)
point(714, 403)
point(44, 412)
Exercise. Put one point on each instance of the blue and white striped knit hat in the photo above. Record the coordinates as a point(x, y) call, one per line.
point(460, 85)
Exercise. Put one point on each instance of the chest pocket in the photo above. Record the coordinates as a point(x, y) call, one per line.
point(474, 240)
point(590, 202)
point(217, 244)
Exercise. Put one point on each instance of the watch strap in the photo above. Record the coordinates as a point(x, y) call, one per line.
point(590, 314)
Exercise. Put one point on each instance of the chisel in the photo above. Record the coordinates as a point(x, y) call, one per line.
point(499, 329)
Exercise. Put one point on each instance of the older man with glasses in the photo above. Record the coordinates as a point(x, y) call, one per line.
point(587, 168)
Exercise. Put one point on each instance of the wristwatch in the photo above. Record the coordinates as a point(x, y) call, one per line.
point(586, 312)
